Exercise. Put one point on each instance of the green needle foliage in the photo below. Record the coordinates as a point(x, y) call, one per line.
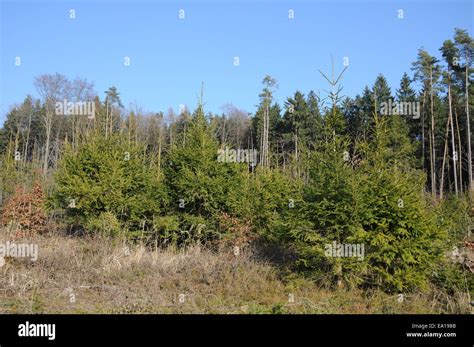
point(342, 183)
point(377, 203)
point(109, 181)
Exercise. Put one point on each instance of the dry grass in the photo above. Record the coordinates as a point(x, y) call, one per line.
point(105, 276)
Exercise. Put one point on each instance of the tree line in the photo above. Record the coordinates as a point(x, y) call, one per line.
point(330, 169)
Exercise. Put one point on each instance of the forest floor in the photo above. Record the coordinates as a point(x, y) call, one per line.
point(94, 275)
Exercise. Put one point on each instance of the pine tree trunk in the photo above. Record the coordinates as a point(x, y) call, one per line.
point(468, 127)
point(423, 143)
point(296, 154)
point(431, 165)
point(25, 151)
point(460, 151)
point(453, 140)
point(264, 160)
point(106, 117)
point(441, 182)
point(433, 138)
point(48, 125)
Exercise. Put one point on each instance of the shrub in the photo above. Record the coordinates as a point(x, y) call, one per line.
point(105, 224)
point(398, 226)
point(25, 210)
point(327, 216)
point(235, 231)
point(184, 229)
point(380, 205)
point(451, 278)
point(403, 242)
point(165, 228)
point(274, 201)
point(201, 188)
point(112, 176)
point(453, 216)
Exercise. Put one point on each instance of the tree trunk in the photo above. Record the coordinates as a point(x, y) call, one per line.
point(48, 124)
point(460, 151)
point(433, 138)
point(106, 117)
point(296, 154)
point(423, 140)
point(441, 182)
point(27, 143)
point(468, 127)
point(453, 140)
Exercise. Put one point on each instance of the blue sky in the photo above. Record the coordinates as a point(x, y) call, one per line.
point(170, 57)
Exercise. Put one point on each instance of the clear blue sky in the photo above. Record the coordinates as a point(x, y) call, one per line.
point(170, 57)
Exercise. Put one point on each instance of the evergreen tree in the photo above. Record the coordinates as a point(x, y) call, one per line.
point(403, 242)
point(381, 92)
point(23, 126)
point(365, 108)
point(201, 185)
point(313, 125)
point(405, 92)
point(109, 185)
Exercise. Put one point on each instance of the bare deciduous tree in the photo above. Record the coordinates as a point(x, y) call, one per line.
point(51, 89)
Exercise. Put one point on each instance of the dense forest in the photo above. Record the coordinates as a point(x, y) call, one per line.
point(372, 192)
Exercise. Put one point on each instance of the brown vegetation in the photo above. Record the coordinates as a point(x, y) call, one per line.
point(24, 211)
point(97, 275)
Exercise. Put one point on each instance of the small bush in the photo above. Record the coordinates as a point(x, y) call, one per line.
point(451, 278)
point(235, 231)
point(453, 216)
point(25, 211)
point(202, 188)
point(105, 178)
point(398, 227)
point(105, 224)
point(327, 215)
